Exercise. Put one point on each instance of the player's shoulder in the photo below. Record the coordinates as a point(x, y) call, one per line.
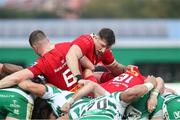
point(85, 38)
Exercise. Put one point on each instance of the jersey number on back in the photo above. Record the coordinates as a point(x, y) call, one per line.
point(123, 78)
point(100, 104)
point(69, 78)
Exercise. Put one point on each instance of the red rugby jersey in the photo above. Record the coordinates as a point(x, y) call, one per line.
point(126, 80)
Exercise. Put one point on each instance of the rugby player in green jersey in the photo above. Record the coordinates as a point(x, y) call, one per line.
point(104, 106)
point(15, 103)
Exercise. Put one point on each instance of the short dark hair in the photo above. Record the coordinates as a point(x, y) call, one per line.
point(42, 109)
point(108, 35)
point(36, 36)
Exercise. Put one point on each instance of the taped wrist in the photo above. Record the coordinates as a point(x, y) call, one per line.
point(155, 92)
point(149, 86)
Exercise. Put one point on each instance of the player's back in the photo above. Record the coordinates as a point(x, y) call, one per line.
point(103, 107)
point(171, 106)
point(57, 98)
point(15, 103)
point(126, 80)
point(137, 110)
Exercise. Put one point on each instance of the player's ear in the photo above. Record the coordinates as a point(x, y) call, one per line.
point(35, 47)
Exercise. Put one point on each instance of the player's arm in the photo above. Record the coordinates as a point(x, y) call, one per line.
point(11, 68)
point(168, 91)
point(16, 78)
point(160, 85)
point(88, 87)
point(6, 69)
point(153, 99)
point(1, 73)
point(86, 63)
point(72, 59)
point(34, 88)
point(137, 91)
point(116, 68)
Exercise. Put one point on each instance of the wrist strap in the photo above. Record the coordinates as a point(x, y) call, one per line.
point(78, 77)
point(149, 86)
point(155, 92)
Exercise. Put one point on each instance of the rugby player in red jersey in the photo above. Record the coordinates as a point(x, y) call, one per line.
point(128, 79)
point(88, 50)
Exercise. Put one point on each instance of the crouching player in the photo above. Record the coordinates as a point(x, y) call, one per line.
point(148, 106)
point(104, 106)
point(15, 103)
point(171, 105)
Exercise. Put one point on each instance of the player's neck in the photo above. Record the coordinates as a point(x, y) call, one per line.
point(47, 48)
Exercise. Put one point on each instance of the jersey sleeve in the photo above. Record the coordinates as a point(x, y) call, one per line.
point(48, 93)
point(107, 57)
point(84, 42)
point(37, 68)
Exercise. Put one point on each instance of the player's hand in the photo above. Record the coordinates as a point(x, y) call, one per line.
point(66, 107)
point(169, 90)
point(151, 104)
point(152, 80)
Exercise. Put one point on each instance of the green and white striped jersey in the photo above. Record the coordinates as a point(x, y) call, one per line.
point(171, 107)
point(57, 98)
point(137, 110)
point(105, 106)
point(19, 91)
point(15, 103)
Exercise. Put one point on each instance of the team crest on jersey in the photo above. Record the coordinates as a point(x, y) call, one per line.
point(176, 114)
point(134, 71)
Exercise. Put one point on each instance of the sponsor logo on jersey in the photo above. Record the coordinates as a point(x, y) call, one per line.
point(6, 95)
point(15, 105)
point(59, 68)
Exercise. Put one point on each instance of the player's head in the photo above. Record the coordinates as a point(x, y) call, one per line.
point(105, 39)
point(107, 35)
point(37, 39)
point(42, 110)
point(36, 36)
